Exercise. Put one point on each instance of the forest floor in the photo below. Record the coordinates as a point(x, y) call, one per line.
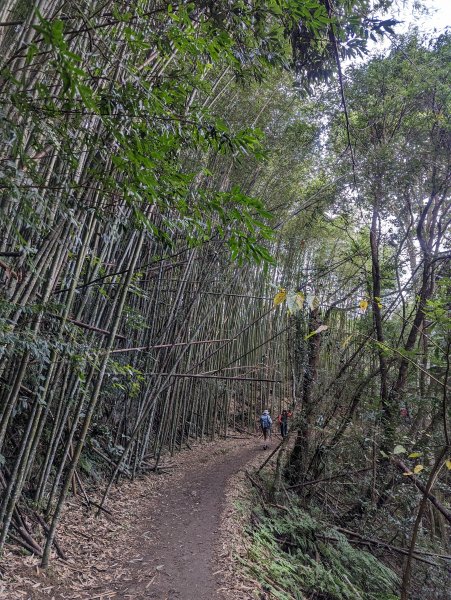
point(172, 536)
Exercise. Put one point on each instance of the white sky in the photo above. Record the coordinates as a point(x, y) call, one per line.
point(433, 22)
point(438, 19)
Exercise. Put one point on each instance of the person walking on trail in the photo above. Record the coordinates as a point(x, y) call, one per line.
point(265, 422)
point(283, 422)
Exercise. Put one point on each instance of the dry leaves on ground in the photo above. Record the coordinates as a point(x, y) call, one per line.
point(100, 549)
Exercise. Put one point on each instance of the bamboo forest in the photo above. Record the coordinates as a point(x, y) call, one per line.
point(225, 280)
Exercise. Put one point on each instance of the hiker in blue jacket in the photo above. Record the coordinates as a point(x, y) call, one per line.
point(265, 422)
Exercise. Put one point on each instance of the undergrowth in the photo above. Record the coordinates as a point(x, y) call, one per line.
point(295, 557)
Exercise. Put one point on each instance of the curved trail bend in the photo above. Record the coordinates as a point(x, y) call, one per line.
point(177, 541)
point(160, 542)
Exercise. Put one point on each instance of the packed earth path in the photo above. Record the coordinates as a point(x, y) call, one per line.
point(178, 546)
point(167, 542)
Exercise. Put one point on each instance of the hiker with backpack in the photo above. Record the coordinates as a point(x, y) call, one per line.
point(265, 422)
point(283, 422)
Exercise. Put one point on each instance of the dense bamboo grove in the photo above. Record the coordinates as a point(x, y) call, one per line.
point(161, 180)
point(109, 312)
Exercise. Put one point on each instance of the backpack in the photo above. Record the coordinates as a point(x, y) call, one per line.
point(265, 421)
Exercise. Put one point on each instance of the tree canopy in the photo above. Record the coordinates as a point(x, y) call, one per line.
point(212, 208)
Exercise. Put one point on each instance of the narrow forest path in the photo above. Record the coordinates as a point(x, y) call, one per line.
point(176, 541)
point(161, 542)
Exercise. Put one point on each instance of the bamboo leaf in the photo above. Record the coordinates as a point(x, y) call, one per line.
point(280, 297)
point(363, 304)
point(295, 302)
point(346, 341)
point(319, 330)
point(300, 300)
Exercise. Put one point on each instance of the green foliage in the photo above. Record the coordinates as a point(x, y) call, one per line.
point(125, 377)
point(148, 128)
point(294, 556)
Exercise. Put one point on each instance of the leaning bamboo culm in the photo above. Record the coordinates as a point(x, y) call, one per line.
point(125, 331)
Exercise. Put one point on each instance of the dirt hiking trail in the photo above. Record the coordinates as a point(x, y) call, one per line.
point(178, 545)
point(161, 539)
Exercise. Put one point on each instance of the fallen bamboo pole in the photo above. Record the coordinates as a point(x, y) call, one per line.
point(158, 346)
point(408, 473)
point(375, 542)
point(343, 474)
point(215, 377)
point(270, 456)
point(86, 326)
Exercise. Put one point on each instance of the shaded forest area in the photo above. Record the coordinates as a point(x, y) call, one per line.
point(212, 208)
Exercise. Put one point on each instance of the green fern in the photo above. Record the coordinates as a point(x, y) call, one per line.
point(294, 556)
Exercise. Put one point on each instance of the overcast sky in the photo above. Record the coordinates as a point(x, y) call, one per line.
point(439, 19)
